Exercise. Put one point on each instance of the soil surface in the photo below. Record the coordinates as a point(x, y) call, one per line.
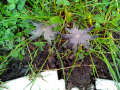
point(81, 76)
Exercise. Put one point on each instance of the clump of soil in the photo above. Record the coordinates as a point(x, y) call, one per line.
point(81, 75)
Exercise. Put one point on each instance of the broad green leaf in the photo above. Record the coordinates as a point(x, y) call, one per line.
point(106, 2)
point(62, 2)
point(10, 1)
point(2, 42)
point(20, 6)
point(24, 23)
point(11, 34)
point(76, 0)
point(66, 2)
point(15, 54)
point(8, 31)
point(58, 2)
point(11, 6)
point(99, 18)
point(13, 22)
point(5, 24)
point(15, 13)
point(20, 56)
point(23, 10)
point(23, 1)
point(56, 19)
point(99, 8)
point(114, 12)
point(97, 25)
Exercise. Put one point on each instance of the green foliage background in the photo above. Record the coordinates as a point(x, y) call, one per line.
point(103, 14)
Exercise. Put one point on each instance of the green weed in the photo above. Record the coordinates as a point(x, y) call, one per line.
point(103, 14)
